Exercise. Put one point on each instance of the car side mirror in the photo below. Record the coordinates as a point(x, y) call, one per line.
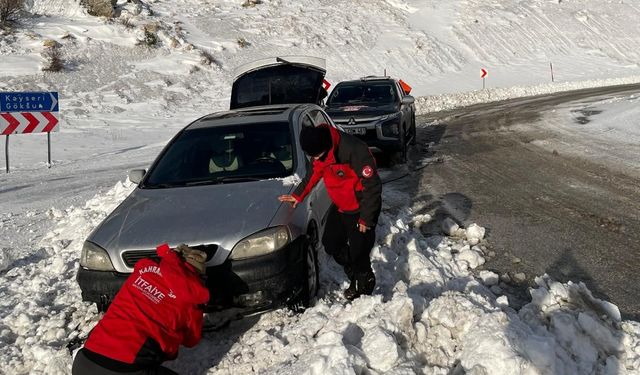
point(408, 99)
point(135, 175)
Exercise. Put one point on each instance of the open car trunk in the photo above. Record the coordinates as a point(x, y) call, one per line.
point(279, 80)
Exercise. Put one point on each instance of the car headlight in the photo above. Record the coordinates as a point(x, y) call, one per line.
point(95, 258)
point(392, 116)
point(390, 130)
point(261, 243)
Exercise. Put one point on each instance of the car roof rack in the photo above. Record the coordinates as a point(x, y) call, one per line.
point(373, 78)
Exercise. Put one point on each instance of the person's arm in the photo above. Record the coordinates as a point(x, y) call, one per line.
point(304, 187)
point(183, 277)
point(364, 164)
point(307, 184)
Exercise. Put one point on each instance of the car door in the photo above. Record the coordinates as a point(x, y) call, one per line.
point(406, 109)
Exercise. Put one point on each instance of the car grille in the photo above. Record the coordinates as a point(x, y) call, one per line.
point(130, 258)
point(356, 120)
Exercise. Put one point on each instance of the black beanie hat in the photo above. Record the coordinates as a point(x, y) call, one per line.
point(315, 140)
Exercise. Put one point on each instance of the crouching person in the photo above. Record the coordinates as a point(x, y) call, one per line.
point(158, 309)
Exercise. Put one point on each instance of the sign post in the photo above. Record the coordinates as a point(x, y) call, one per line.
point(483, 75)
point(6, 152)
point(28, 112)
point(48, 149)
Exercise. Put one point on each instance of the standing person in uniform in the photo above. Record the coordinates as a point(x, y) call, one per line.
point(158, 309)
point(348, 170)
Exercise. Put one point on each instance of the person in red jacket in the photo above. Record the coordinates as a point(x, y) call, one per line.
point(158, 308)
point(349, 172)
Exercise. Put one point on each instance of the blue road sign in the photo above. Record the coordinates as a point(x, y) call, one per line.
point(28, 102)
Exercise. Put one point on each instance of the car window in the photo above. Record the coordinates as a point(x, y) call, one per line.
point(307, 121)
point(400, 90)
point(224, 154)
point(365, 93)
point(324, 117)
point(317, 117)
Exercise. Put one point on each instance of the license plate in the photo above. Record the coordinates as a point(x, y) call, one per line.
point(357, 131)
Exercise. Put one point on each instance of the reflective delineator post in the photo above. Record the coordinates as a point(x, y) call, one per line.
point(6, 151)
point(483, 74)
point(49, 148)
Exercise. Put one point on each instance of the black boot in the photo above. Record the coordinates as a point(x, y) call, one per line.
point(366, 283)
point(360, 284)
point(348, 270)
point(351, 292)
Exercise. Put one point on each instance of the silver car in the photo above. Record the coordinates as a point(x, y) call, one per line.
point(215, 187)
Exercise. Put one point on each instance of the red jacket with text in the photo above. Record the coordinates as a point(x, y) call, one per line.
point(350, 176)
point(157, 310)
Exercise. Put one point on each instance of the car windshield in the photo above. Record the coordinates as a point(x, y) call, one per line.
point(367, 93)
point(224, 154)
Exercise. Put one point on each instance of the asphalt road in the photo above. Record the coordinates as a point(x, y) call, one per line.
point(571, 217)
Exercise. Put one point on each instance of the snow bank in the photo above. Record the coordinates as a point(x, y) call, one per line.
point(429, 314)
point(40, 306)
point(444, 102)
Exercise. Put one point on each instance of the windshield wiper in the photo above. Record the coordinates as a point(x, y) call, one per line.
point(222, 180)
point(162, 186)
point(201, 182)
point(238, 179)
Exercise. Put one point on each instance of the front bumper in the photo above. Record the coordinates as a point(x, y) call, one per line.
point(249, 285)
point(99, 286)
point(258, 283)
point(374, 136)
point(384, 145)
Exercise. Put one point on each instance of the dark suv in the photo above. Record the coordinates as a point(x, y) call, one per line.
point(376, 109)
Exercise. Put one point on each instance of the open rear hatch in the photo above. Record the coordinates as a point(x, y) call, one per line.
point(279, 80)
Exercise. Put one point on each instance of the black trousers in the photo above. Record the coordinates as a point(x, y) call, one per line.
point(347, 245)
point(84, 366)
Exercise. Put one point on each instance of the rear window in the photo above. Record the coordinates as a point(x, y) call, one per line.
point(284, 84)
point(367, 93)
point(225, 154)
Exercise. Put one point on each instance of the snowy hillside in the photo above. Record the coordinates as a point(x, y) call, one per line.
point(122, 98)
point(438, 47)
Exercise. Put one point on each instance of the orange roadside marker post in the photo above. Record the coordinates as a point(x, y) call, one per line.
point(405, 87)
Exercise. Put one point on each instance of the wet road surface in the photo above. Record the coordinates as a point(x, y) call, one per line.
point(574, 218)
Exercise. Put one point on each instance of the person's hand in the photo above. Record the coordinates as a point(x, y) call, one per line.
point(194, 257)
point(363, 228)
point(289, 199)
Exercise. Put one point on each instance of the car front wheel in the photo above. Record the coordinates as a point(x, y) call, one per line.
point(311, 269)
point(403, 144)
point(414, 133)
point(311, 279)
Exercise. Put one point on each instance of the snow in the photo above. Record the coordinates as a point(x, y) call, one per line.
point(433, 311)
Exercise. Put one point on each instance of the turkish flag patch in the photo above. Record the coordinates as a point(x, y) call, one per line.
point(367, 171)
